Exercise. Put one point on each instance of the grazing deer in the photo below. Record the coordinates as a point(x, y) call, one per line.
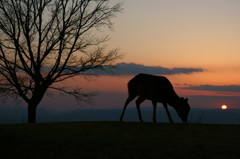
point(157, 89)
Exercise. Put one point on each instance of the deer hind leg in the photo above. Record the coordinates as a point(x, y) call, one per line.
point(168, 113)
point(129, 99)
point(154, 110)
point(138, 102)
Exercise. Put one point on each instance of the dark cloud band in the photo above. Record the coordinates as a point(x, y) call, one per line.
point(133, 69)
point(228, 88)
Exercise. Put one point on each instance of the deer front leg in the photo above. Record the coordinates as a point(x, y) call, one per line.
point(168, 113)
point(125, 106)
point(138, 102)
point(154, 111)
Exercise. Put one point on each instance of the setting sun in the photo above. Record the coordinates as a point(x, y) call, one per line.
point(224, 107)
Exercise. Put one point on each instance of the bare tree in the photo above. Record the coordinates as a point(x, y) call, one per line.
point(43, 42)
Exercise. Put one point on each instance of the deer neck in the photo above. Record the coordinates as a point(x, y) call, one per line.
point(174, 101)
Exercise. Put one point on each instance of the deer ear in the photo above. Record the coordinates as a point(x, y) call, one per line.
point(186, 99)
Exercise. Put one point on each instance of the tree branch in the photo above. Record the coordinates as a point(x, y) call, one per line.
point(77, 94)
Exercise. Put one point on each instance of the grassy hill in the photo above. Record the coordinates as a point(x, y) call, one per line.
point(119, 140)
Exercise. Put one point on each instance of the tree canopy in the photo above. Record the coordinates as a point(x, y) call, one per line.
point(43, 42)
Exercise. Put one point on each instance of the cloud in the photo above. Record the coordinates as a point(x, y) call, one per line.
point(133, 69)
point(227, 88)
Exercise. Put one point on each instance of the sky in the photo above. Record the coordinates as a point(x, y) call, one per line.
point(201, 36)
point(194, 43)
point(173, 33)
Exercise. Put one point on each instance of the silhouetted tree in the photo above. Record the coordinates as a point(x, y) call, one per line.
point(43, 42)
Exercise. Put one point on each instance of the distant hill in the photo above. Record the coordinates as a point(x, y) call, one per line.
point(197, 115)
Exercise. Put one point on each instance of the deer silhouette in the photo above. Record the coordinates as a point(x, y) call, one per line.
point(157, 89)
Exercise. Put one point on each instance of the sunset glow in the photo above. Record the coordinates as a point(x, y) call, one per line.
point(224, 107)
point(172, 35)
point(93, 60)
point(193, 34)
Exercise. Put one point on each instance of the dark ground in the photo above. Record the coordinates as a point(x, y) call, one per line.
point(119, 140)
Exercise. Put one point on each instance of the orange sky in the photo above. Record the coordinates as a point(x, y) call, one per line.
point(176, 33)
point(172, 33)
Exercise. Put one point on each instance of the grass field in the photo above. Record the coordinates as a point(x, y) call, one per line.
point(119, 140)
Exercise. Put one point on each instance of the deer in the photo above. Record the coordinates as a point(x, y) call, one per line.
point(158, 89)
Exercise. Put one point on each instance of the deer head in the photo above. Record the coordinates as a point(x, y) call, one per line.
point(183, 109)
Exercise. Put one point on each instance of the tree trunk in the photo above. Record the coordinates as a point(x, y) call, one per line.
point(32, 112)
